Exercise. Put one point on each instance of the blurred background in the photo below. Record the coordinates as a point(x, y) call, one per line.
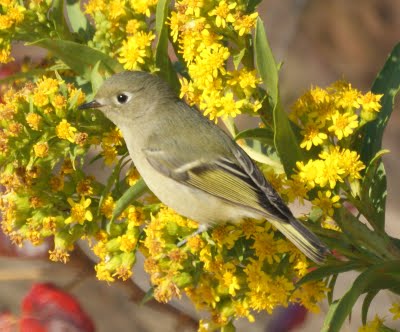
point(318, 42)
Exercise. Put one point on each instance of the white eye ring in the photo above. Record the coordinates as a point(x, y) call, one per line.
point(122, 98)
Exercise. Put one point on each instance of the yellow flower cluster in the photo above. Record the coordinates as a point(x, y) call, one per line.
point(123, 30)
point(374, 325)
point(202, 31)
point(43, 140)
point(328, 119)
point(117, 247)
point(333, 114)
point(11, 15)
point(232, 272)
point(17, 16)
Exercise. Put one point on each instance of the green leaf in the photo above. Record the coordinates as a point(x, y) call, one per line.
point(388, 83)
point(237, 58)
point(148, 296)
point(366, 303)
point(56, 16)
point(163, 62)
point(329, 314)
point(128, 197)
point(265, 62)
point(326, 271)
point(96, 79)
point(251, 5)
point(362, 237)
point(286, 140)
point(78, 21)
point(264, 135)
point(340, 310)
point(373, 193)
point(80, 58)
point(331, 287)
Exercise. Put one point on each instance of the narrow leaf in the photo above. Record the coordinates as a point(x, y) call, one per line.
point(78, 21)
point(251, 5)
point(78, 57)
point(128, 197)
point(331, 287)
point(388, 83)
point(237, 58)
point(340, 310)
point(56, 16)
point(265, 62)
point(361, 236)
point(264, 135)
point(163, 62)
point(373, 193)
point(326, 271)
point(286, 140)
point(366, 303)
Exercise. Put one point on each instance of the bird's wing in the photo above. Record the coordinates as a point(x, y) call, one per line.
point(234, 178)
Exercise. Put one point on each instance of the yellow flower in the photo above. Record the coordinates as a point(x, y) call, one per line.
point(109, 153)
point(33, 120)
point(395, 310)
point(327, 202)
point(347, 97)
point(231, 282)
point(132, 176)
point(41, 149)
point(244, 78)
point(59, 255)
point(134, 50)
point(331, 170)
point(47, 85)
point(265, 248)
point(351, 164)
point(308, 173)
point(113, 137)
point(244, 23)
point(309, 294)
point(223, 13)
point(370, 102)
point(93, 6)
point(107, 207)
point(64, 130)
point(132, 26)
point(229, 106)
point(84, 187)
point(343, 124)
point(143, 6)
point(372, 326)
point(312, 136)
point(59, 102)
point(40, 99)
point(5, 52)
point(116, 9)
point(79, 211)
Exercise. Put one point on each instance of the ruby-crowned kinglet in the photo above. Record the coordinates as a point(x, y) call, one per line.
point(189, 163)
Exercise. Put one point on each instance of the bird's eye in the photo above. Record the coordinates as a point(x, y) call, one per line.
point(122, 98)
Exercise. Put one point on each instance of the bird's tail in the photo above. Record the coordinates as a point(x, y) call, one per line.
point(303, 239)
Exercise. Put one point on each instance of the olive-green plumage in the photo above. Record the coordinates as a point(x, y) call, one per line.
point(189, 163)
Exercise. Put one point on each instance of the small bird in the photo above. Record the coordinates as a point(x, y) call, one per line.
point(191, 164)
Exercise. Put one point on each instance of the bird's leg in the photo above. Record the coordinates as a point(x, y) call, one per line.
point(202, 228)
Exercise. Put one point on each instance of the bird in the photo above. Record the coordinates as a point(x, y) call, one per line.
point(190, 163)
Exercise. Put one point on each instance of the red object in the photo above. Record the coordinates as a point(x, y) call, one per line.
point(47, 308)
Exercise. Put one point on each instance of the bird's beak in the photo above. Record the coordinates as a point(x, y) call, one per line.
point(91, 104)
